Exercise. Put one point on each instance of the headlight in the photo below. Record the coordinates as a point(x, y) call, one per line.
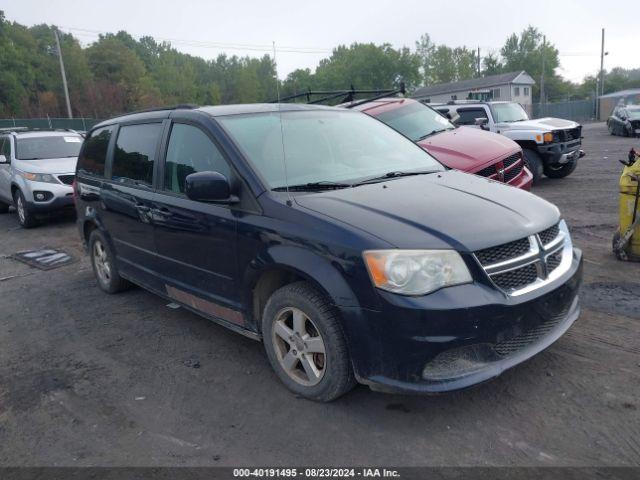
point(548, 137)
point(415, 272)
point(39, 177)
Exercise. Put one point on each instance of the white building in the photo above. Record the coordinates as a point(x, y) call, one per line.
point(514, 86)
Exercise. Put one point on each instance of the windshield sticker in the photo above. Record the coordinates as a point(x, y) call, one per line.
point(72, 139)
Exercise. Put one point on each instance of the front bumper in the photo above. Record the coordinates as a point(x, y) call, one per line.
point(560, 153)
point(59, 197)
point(459, 336)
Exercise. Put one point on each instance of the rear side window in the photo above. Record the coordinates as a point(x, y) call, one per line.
point(190, 151)
point(135, 154)
point(94, 153)
point(468, 115)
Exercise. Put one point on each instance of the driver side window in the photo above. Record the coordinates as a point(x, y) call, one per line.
point(5, 148)
point(190, 151)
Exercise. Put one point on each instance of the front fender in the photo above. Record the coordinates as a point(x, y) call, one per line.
point(327, 275)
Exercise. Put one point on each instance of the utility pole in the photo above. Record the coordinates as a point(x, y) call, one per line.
point(479, 62)
point(542, 93)
point(602, 54)
point(64, 75)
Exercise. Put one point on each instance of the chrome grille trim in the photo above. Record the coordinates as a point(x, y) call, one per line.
point(539, 255)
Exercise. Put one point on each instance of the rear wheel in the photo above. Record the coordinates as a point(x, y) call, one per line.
point(305, 345)
point(560, 171)
point(534, 163)
point(611, 129)
point(104, 266)
point(25, 217)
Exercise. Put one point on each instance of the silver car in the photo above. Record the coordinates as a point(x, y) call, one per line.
point(37, 169)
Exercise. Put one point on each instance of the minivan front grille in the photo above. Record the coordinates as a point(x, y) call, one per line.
point(516, 265)
point(515, 279)
point(503, 252)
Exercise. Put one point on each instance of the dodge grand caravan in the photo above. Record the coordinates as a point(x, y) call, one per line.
point(349, 251)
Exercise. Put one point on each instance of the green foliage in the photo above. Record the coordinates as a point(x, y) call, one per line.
point(118, 73)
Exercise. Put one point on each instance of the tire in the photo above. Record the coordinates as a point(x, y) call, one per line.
point(611, 129)
point(4, 208)
point(534, 164)
point(25, 217)
point(103, 262)
point(293, 315)
point(562, 171)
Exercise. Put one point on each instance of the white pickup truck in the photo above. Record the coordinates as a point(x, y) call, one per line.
point(551, 146)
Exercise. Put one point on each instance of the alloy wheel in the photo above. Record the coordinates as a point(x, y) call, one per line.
point(20, 208)
point(299, 347)
point(101, 262)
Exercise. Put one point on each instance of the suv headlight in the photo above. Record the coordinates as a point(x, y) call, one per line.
point(415, 272)
point(39, 177)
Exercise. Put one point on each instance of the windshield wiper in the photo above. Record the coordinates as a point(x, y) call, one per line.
point(432, 132)
point(390, 175)
point(322, 185)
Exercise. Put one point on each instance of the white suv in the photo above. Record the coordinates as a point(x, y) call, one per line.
point(37, 169)
point(551, 146)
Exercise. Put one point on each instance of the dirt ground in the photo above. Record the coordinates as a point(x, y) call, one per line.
point(92, 379)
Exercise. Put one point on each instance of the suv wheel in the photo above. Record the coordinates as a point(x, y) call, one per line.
point(104, 266)
point(560, 171)
point(305, 344)
point(534, 164)
point(25, 217)
point(611, 129)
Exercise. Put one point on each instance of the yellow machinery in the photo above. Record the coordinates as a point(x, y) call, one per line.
point(626, 241)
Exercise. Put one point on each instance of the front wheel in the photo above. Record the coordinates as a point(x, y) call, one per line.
point(534, 163)
point(305, 344)
point(25, 217)
point(560, 171)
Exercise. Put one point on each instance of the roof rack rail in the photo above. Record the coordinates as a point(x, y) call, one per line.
point(36, 129)
point(349, 95)
point(183, 106)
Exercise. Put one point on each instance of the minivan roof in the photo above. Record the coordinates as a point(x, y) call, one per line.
point(215, 111)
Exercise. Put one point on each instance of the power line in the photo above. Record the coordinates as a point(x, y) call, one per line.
point(210, 44)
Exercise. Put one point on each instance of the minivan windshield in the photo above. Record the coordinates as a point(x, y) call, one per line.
point(53, 146)
point(415, 120)
point(324, 146)
point(508, 112)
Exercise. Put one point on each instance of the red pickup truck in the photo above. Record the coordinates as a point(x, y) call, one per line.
point(468, 149)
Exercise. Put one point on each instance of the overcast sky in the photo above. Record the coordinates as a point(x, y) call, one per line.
point(305, 32)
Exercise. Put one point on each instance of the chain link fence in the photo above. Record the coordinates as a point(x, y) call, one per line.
point(72, 123)
point(577, 110)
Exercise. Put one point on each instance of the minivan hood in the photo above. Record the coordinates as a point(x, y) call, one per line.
point(468, 148)
point(49, 165)
point(542, 124)
point(441, 210)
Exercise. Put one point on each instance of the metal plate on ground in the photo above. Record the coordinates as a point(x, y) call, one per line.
point(44, 258)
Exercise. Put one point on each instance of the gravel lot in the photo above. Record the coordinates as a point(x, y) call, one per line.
point(92, 379)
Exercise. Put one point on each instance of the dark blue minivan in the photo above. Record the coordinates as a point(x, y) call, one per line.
point(349, 251)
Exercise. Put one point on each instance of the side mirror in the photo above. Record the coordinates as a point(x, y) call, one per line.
point(3, 159)
point(209, 187)
point(481, 122)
